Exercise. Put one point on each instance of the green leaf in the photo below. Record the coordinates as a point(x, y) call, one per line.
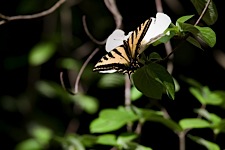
point(146, 84)
point(209, 116)
point(88, 103)
point(185, 27)
point(183, 19)
point(71, 141)
point(167, 122)
point(198, 95)
point(107, 139)
point(152, 79)
point(124, 138)
point(211, 14)
point(219, 127)
point(69, 63)
point(190, 123)
point(29, 144)
point(135, 94)
point(207, 35)
point(111, 119)
point(88, 140)
point(192, 82)
point(111, 80)
point(42, 134)
point(207, 144)
point(194, 42)
point(41, 53)
point(135, 146)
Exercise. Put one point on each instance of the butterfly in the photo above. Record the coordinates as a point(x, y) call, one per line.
point(125, 57)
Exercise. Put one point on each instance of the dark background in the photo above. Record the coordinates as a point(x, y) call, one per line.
point(18, 78)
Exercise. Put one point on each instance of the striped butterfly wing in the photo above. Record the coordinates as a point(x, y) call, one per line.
point(124, 57)
point(134, 41)
point(116, 60)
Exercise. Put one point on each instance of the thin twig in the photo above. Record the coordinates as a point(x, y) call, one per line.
point(111, 5)
point(33, 16)
point(82, 70)
point(203, 12)
point(167, 45)
point(89, 34)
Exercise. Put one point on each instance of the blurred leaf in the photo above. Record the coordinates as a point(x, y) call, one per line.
point(207, 97)
point(88, 140)
point(190, 123)
point(176, 84)
point(41, 53)
point(207, 35)
point(211, 14)
point(198, 95)
point(107, 139)
point(111, 80)
point(207, 144)
point(167, 122)
point(88, 103)
point(126, 137)
point(192, 82)
point(209, 116)
point(135, 146)
point(42, 134)
point(29, 144)
point(69, 63)
point(51, 90)
point(135, 94)
point(72, 142)
point(111, 119)
point(219, 127)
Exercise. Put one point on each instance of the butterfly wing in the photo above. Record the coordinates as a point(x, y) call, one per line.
point(116, 60)
point(135, 39)
point(124, 57)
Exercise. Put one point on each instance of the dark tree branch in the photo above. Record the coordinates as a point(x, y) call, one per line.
point(33, 16)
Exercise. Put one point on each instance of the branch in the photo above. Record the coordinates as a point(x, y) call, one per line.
point(33, 16)
point(89, 34)
point(203, 12)
point(167, 45)
point(82, 70)
point(111, 5)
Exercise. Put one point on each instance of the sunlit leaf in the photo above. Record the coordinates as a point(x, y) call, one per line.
point(135, 94)
point(41, 53)
point(42, 134)
point(126, 137)
point(207, 144)
point(207, 35)
point(30, 144)
point(198, 95)
point(183, 19)
point(211, 14)
point(110, 120)
point(107, 139)
point(190, 123)
point(88, 140)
